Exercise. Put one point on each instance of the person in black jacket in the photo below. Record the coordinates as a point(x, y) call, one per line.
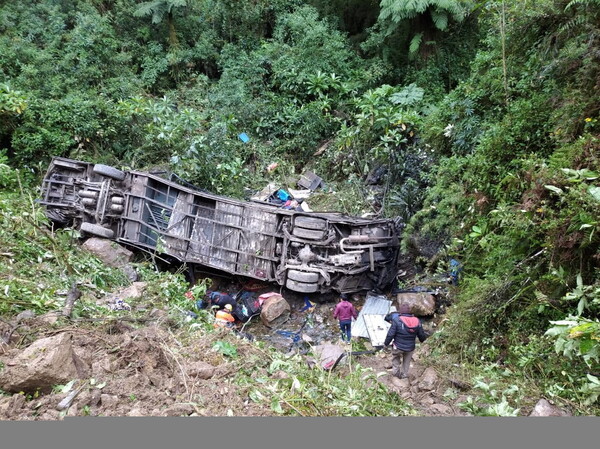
point(403, 332)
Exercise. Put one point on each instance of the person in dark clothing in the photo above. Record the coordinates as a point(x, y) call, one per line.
point(403, 332)
point(344, 312)
point(220, 299)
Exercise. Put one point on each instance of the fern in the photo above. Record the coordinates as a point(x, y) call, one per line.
point(440, 19)
point(415, 44)
point(584, 3)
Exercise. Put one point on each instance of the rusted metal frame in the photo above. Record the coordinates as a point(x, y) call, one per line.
point(159, 231)
point(152, 216)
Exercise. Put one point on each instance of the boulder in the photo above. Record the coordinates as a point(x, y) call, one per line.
point(134, 291)
point(421, 304)
point(201, 370)
point(428, 380)
point(275, 310)
point(25, 315)
point(46, 362)
point(111, 253)
point(544, 408)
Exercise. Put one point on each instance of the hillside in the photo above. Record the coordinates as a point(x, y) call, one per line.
point(473, 123)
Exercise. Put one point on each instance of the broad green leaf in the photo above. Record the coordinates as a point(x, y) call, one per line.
point(554, 189)
point(595, 192)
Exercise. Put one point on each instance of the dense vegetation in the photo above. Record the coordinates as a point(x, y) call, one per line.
point(476, 121)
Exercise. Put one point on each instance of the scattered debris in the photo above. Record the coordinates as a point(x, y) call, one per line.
point(375, 305)
point(119, 304)
point(68, 400)
point(328, 354)
point(310, 181)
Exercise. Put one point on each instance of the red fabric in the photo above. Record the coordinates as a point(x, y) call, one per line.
point(344, 311)
point(410, 321)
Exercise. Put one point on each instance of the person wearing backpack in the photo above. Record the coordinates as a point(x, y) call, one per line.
point(403, 332)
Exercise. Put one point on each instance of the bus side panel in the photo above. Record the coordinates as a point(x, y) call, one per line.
point(227, 234)
point(176, 236)
point(215, 234)
point(257, 244)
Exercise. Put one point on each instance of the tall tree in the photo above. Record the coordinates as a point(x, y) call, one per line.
point(424, 17)
point(158, 9)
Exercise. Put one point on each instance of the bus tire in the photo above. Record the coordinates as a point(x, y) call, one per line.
point(97, 230)
point(310, 223)
point(303, 276)
point(109, 172)
point(301, 286)
point(310, 234)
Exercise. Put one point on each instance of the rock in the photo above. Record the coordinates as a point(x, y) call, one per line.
point(25, 315)
point(50, 415)
point(275, 310)
point(50, 318)
point(179, 410)
point(95, 398)
point(135, 412)
point(442, 409)
point(134, 291)
point(130, 272)
point(403, 384)
point(201, 370)
point(544, 408)
point(428, 400)
point(280, 375)
point(428, 380)
point(111, 253)
point(4, 404)
point(46, 362)
point(109, 400)
point(16, 403)
point(421, 304)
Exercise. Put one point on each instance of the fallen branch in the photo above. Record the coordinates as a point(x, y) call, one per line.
point(74, 295)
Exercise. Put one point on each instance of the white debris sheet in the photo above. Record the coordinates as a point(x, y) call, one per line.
point(374, 305)
point(377, 328)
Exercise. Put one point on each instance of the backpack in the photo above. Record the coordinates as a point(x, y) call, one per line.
point(250, 306)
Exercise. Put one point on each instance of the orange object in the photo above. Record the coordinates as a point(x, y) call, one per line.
point(224, 319)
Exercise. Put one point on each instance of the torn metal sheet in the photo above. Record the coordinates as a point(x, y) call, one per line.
point(374, 305)
point(377, 328)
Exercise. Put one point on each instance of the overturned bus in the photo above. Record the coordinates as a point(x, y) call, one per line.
point(306, 252)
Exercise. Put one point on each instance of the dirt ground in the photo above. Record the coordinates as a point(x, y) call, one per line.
point(148, 371)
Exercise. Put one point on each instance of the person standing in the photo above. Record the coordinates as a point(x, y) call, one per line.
point(344, 311)
point(403, 332)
